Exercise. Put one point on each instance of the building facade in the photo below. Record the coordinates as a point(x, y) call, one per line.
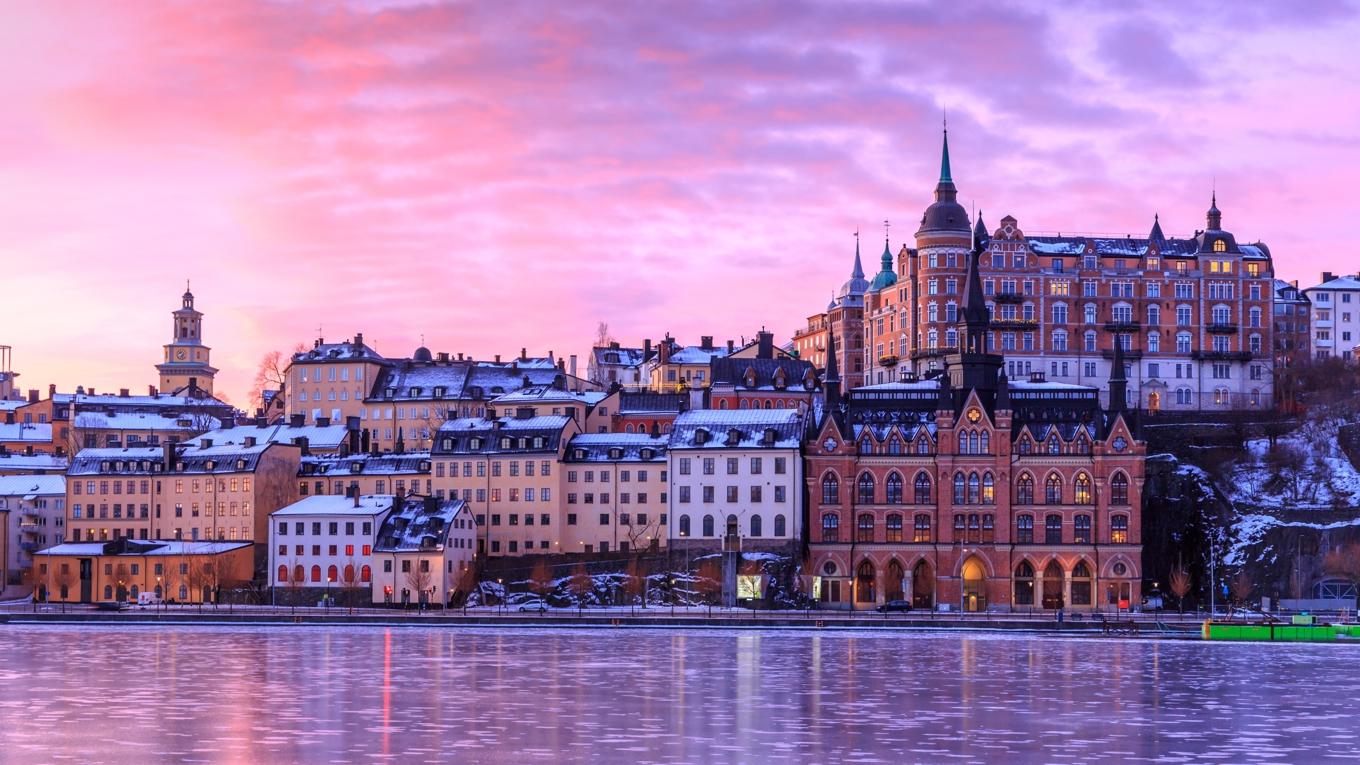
point(1335, 324)
point(322, 546)
point(177, 571)
point(185, 365)
point(969, 491)
point(736, 479)
point(32, 517)
point(615, 490)
point(424, 553)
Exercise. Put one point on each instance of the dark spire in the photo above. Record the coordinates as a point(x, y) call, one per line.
point(858, 272)
point(832, 379)
point(1213, 220)
point(945, 175)
point(974, 315)
point(1156, 235)
point(1003, 391)
point(1119, 382)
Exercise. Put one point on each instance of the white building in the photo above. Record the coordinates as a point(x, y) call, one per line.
point(32, 517)
point(1336, 315)
point(324, 544)
point(424, 552)
point(738, 474)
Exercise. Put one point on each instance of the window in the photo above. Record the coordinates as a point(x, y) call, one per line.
point(866, 489)
point(1053, 490)
point(1119, 489)
point(1081, 529)
point(960, 492)
point(1082, 488)
point(894, 487)
point(893, 525)
point(1024, 529)
point(1081, 582)
point(831, 490)
point(1024, 584)
point(756, 529)
point(1053, 530)
point(922, 488)
point(1119, 529)
point(921, 528)
point(831, 524)
point(1024, 490)
point(708, 525)
point(780, 526)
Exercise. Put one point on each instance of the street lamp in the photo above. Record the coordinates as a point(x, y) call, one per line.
point(329, 579)
point(501, 595)
point(160, 595)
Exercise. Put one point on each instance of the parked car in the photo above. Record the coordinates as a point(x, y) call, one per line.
point(148, 599)
point(894, 605)
point(535, 606)
point(112, 605)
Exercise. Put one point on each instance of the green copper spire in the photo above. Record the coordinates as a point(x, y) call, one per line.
point(945, 176)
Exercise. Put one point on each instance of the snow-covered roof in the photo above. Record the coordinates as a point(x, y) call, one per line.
point(617, 356)
point(627, 447)
point(467, 435)
point(1029, 385)
point(23, 485)
point(916, 385)
point(11, 462)
point(348, 351)
point(388, 463)
point(547, 394)
point(25, 432)
point(1338, 283)
point(694, 354)
point(318, 437)
point(737, 428)
point(139, 548)
point(101, 420)
point(10, 404)
point(419, 523)
point(338, 504)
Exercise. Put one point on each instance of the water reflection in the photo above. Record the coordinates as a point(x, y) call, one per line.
point(139, 695)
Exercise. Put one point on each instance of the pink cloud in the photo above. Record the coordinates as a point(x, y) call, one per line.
point(507, 175)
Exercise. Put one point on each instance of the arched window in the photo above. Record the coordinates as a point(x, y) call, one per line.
point(864, 528)
point(349, 574)
point(988, 489)
point(960, 492)
point(1119, 529)
point(1081, 584)
point(684, 525)
point(920, 531)
point(332, 574)
point(1024, 584)
point(831, 527)
point(894, 486)
point(1024, 529)
point(974, 528)
point(1082, 486)
point(1024, 490)
point(1119, 489)
point(1053, 585)
point(1053, 490)
point(866, 488)
point(974, 489)
point(629, 427)
point(864, 583)
point(283, 574)
point(708, 525)
point(299, 576)
point(1026, 446)
point(922, 488)
point(866, 445)
point(894, 445)
point(1054, 445)
point(892, 587)
point(756, 529)
point(1220, 245)
point(984, 443)
point(1053, 530)
point(923, 445)
point(365, 573)
point(831, 489)
point(316, 573)
point(893, 524)
point(1081, 529)
point(780, 528)
point(732, 529)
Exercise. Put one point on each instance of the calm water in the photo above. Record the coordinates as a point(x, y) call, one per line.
point(418, 695)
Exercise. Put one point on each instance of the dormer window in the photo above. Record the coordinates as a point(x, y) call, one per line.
point(616, 454)
point(648, 454)
point(208, 465)
point(390, 392)
point(580, 454)
point(356, 467)
point(415, 392)
point(539, 443)
point(505, 443)
point(1220, 245)
point(424, 466)
point(240, 464)
point(448, 444)
point(439, 391)
point(700, 436)
point(475, 444)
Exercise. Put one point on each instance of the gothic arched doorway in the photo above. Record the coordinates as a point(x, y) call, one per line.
point(922, 586)
point(864, 583)
point(1053, 585)
point(974, 586)
point(892, 585)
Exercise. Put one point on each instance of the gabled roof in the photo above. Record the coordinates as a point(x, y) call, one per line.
point(419, 524)
point(338, 504)
point(732, 371)
point(629, 447)
point(24, 485)
point(737, 429)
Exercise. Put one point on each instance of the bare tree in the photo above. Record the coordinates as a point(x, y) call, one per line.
point(641, 536)
point(635, 581)
point(709, 581)
point(418, 579)
point(540, 579)
point(602, 335)
point(120, 579)
point(580, 586)
point(270, 375)
point(351, 582)
point(1179, 582)
point(62, 581)
point(295, 580)
point(1288, 460)
point(199, 578)
point(467, 582)
point(1241, 588)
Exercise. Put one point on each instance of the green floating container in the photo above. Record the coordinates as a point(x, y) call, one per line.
point(1278, 633)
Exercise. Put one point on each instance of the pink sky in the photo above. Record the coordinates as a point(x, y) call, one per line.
point(507, 174)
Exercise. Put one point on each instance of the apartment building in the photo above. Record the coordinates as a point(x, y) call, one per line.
point(322, 546)
point(615, 490)
point(32, 517)
point(1335, 324)
point(388, 473)
point(424, 553)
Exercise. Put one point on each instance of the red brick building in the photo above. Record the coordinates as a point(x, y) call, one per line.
point(970, 491)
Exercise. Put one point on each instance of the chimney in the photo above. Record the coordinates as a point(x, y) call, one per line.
point(358, 340)
point(706, 342)
point(559, 382)
point(352, 427)
point(764, 345)
point(51, 390)
point(731, 347)
point(551, 357)
point(205, 443)
point(122, 393)
point(355, 491)
point(304, 445)
point(443, 356)
point(323, 422)
point(297, 420)
point(260, 420)
point(90, 391)
point(646, 349)
point(33, 396)
point(523, 354)
point(1327, 276)
point(460, 357)
point(150, 390)
point(524, 382)
point(168, 457)
point(572, 366)
point(663, 350)
point(498, 358)
point(613, 345)
point(561, 365)
point(249, 442)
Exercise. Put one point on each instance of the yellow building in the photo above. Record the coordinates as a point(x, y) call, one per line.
point(614, 493)
point(179, 491)
point(183, 572)
point(398, 474)
point(506, 471)
point(331, 380)
point(185, 366)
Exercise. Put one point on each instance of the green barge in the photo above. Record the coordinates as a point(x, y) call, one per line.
point(1300, 630)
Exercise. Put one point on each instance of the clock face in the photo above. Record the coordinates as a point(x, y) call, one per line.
point(1119, 443)
point(974, 414)
point(829, 444)
point(180, 354)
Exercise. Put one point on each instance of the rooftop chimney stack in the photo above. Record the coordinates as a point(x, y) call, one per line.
point(764, 345)
point(572, 367)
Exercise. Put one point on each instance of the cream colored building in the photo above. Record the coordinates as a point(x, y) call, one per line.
point(184, 572)
point(506, 470)
point(32, 517)
point(424, 552)
point(399, 474)
point(615, 490)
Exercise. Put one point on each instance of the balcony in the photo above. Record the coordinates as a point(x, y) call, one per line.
point(931, 353)
point(30, 547)
point(1024, 325)
point(890, 360)
point(1129, 353)
point(1009, 297)
point(1222, 355)
point(1122, 326)
point(1221, 327)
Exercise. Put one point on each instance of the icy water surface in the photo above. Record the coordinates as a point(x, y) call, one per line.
point(424, 695)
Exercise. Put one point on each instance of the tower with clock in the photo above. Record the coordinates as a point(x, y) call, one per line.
point(186, 357)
